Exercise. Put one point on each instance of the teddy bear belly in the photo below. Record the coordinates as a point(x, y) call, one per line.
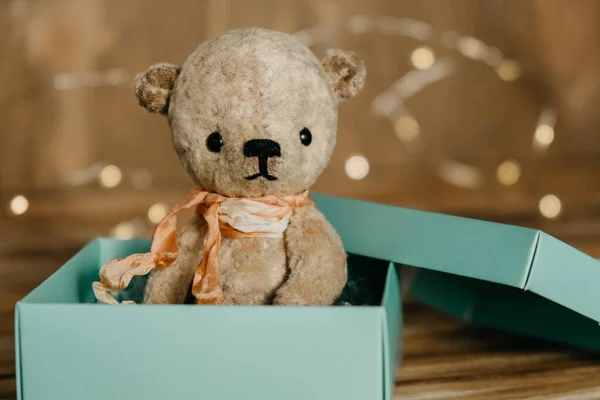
point(252, 269)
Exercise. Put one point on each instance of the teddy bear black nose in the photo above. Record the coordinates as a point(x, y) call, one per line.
point(262, 148)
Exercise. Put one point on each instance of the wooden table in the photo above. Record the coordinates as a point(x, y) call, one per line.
point(443, 359)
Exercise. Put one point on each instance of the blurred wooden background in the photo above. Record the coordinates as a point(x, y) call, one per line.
point(483, 108)
point(67, 68)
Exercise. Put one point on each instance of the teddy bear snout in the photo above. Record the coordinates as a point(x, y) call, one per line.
point(262, 148)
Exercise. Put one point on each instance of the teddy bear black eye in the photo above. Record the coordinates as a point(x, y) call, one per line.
point(305, 136)
point(214, 142)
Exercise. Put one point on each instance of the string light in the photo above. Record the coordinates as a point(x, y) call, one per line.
point(493, 57)
point(544, 132)
point(385, 104)
point(110, 176)
point(18, 205)
point(543, 137)
point(422, 57)
point(407, 129)
point(461, 175)
point(550, 206)
point(508, 70)
point(508, 172)
point(157, 212)
point(391, 102)
point(358, 24)
point(449, 39)
point(357, 167)
point(471, 47)
point(406, 27)
point(98, 78)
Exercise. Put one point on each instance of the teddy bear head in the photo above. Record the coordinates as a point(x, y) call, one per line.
point(253, 112)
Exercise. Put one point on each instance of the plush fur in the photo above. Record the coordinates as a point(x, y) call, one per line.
point(255, 84)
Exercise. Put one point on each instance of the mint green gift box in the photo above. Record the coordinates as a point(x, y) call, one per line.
point(70, 348)
point(509, 277)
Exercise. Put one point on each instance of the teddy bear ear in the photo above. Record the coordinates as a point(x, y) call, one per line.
point(346, 73)
point(153, 87)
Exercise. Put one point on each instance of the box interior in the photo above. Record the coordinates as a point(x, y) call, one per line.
point(365, 286)
point(366, 281)
point(503, 307)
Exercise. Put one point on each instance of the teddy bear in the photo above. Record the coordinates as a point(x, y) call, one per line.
point(253, 118)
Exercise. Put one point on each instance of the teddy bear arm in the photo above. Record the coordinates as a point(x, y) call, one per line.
point(172, 284)
point(316, 261)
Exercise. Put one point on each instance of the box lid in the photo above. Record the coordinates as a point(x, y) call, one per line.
point(509, 255)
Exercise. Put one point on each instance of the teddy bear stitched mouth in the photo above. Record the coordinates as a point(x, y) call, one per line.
point(263, 149)
point(263, 170)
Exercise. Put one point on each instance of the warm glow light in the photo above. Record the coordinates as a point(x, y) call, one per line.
point(493, 57)
point(508, 70)
point(422, 57)
point(543, 137)
point(460, 175)
point(157, 212)
point(385, 104)
point(550, 206)
point(123, 230)
point(357, 167)
point(407, 129)
point(110, 176)
point(19, 204)
point(471, 47)
point(509, 172)
point(359, 24)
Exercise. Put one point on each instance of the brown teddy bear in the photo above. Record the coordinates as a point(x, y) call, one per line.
point(253, 118)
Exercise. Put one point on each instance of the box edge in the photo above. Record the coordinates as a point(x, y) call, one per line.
point(517, 280)
point(573, 252)
point(387, 385)
point(95, 242)
point(532, 257)
point(18, 364)
point(390, 361)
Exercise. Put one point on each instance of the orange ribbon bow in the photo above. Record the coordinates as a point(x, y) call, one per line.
point(266, 216)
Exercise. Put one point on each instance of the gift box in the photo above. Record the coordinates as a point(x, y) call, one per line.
point(69, 347)
point(509, 277)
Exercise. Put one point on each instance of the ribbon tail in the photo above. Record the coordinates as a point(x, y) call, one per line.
point(117, 274)
point(102, 295)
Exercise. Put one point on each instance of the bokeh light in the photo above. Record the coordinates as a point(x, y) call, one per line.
point(157, 212)
point(550, 206)
point(508, 172)
point(110, 176)
point(18, 205)
point(407, 129)
point(357, 167)
point(543, 137)
point(422, 57)
point(508, 70)
point(123, 230)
